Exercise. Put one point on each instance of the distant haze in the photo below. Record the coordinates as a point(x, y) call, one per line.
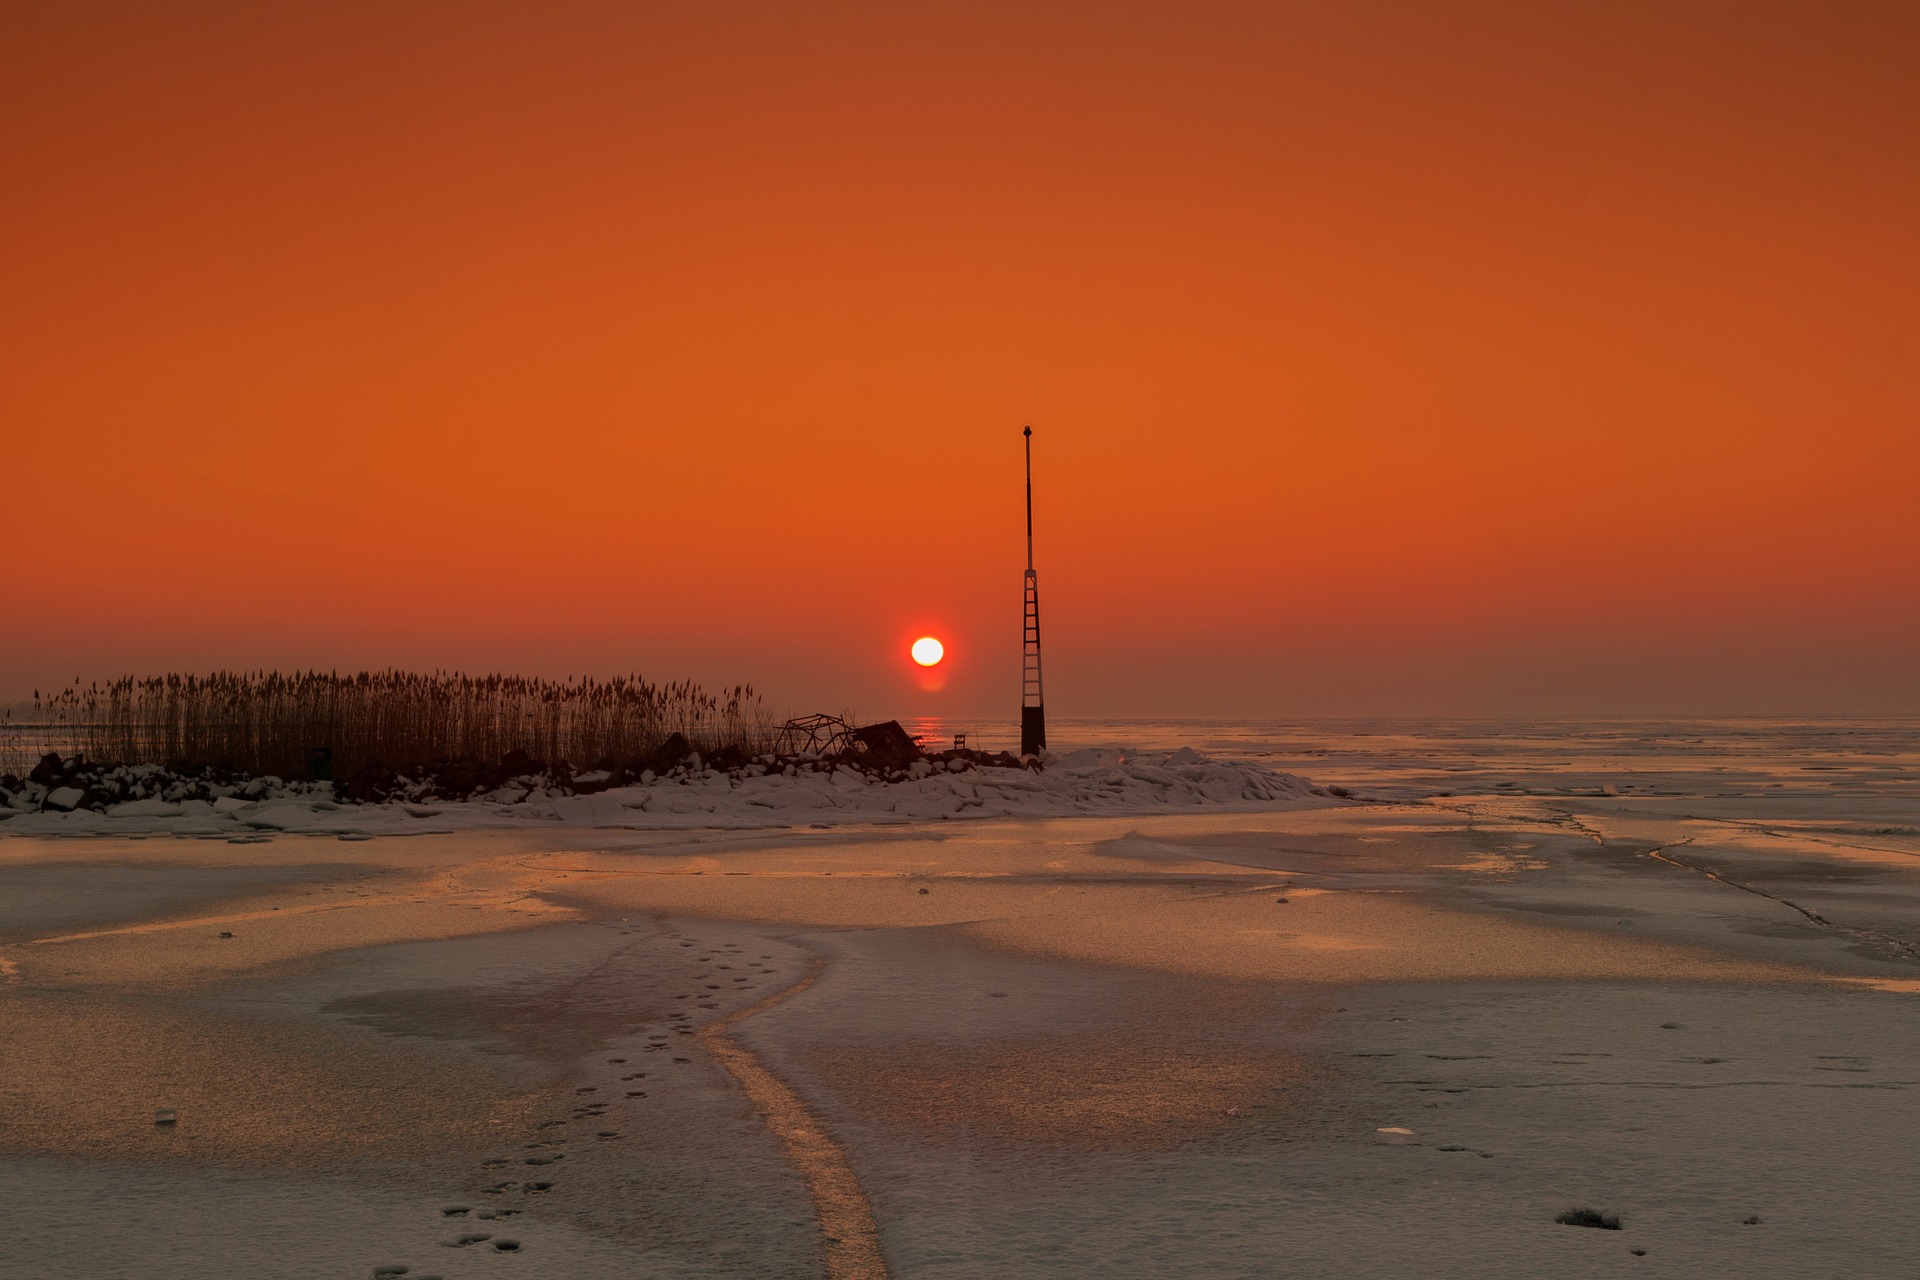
point(1382, 358)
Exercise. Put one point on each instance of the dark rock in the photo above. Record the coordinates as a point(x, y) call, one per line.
point(671, 752)
point(49, 772)
point(518, 763)
point(727, 759)
point(371, 784)
point(884, 746)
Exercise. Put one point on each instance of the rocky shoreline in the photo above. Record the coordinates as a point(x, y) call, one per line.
point(68, 784)
point(71, 796)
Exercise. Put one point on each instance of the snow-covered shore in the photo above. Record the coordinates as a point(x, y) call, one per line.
point(1089, 781)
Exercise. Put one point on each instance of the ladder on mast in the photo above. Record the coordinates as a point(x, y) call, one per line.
point(1033, 711)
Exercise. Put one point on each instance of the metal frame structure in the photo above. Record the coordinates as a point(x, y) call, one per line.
point(818, 734)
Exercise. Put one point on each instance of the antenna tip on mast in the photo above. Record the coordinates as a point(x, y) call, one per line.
point(1027, 431)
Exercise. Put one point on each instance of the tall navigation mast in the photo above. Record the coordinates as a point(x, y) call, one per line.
point(1033, 711)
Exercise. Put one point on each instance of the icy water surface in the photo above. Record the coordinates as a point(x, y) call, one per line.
point(1669, 971)
point(1860, 757)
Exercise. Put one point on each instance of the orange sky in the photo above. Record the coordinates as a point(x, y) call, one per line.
point(1382, 357)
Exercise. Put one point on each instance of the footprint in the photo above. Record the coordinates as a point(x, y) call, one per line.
point(395, 1269)
point(683, 1059)
point(466, 1238)
point(506, 1246)
point(456, 1211)
point(537, 1188)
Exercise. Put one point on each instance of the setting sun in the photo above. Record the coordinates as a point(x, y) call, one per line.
point(927, 651)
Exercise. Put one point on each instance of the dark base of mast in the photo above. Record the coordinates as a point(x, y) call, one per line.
point(1033, 730)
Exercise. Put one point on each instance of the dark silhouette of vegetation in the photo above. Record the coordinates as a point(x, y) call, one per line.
point(269, 723)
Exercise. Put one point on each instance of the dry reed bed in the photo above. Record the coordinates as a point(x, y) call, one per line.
point(266, 722)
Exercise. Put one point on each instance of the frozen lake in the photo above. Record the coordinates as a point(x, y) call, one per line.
point(1669, 972)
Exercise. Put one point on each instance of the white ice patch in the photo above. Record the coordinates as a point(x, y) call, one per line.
point(145, 809)
point(586, 811)
point(279, 817)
